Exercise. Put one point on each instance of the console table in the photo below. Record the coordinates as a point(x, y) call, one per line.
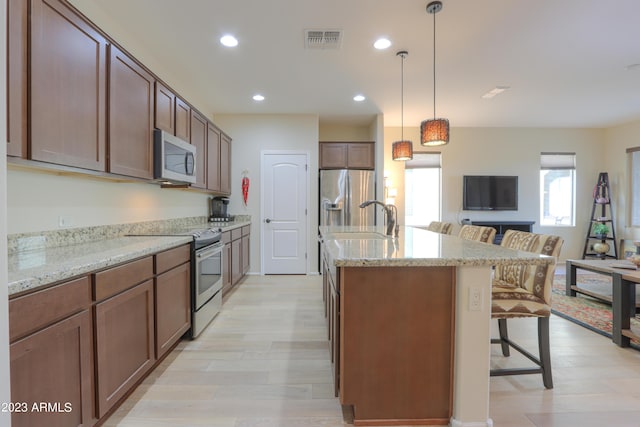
point(502, 226)
point(623, 300)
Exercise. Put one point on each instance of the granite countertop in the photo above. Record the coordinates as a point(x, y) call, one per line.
point(42, 258)
point(31, 269)
point(415, 247)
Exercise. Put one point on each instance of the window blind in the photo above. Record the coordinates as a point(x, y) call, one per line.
point(557, 161)
point(424, 160)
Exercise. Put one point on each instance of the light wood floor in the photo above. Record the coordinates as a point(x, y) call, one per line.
point(264, 362)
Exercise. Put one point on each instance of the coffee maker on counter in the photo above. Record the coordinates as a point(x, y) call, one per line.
point(218, 209)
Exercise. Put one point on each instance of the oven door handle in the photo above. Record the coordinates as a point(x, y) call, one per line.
point(216, 248)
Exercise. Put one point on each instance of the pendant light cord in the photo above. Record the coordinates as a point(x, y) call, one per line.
point(402, 98)
point(434, 66)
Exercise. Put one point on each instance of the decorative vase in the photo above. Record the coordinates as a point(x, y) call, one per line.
point(601, 247)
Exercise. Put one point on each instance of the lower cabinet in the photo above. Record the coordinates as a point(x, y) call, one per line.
point(173, 308)
point(237, 244)
point(54, 368)
point(51, 354)
point(124, 343)
point(78, 348)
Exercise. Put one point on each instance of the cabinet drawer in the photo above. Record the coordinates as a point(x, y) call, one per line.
point(32, 312)
point(114, 280)
point(226, 237)
point(236, 233)
point(246, 230)
point(168, 259)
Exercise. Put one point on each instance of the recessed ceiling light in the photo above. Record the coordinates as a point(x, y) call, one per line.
point(258, 97)
point(359, 98)
point(495, 91)
point(229, 41)
point(382, 43)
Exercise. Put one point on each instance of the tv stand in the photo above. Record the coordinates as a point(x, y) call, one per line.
point(502, 226)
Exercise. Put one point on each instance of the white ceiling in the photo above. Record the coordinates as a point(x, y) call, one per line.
point(565, 60)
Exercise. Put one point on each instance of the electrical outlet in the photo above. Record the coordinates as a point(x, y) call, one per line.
point(65, 221)
point(476, 299)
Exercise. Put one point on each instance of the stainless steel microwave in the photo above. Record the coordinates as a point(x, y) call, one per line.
point(174, 158)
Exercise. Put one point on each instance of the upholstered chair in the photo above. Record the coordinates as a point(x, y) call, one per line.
point(440, 227)
point(520, 290)
point(477, 233)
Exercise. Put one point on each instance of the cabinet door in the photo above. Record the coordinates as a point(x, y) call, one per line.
point(165, 109)
point(183, 119)
point(225, 164)
point(246, 240)
point(124, 339)
point(213, 158)
point(17, 16)
point(130, 116)
point(199, 139)
point(54, 366)
point(68, 88)
point(361, 155)
point(226, 268)
point(333, 155)
point(173, 307)
point(236, 261)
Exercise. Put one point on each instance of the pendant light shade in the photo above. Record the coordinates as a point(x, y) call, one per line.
point(403, 149)
point(434, 131)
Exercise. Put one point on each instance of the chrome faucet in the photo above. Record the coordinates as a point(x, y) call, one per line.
point(391, 216)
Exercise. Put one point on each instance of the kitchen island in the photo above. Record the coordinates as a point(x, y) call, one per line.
point(409, 323)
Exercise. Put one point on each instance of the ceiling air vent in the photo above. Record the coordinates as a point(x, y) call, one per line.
point(323, 39)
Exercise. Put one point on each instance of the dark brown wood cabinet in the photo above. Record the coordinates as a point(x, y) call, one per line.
point(165, 109)
point(246, 246)
point(225, 164)
point(68, 88)
point(236, 258)
point(347, 155)
point(124, 329)
point(131, 95)
point(199, 140)
point(182, 119)
point(213, 157)
point(172, 297)
point(17, 60)
point(51, 355)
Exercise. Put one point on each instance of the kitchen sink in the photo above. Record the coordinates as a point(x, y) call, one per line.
point(358, 235)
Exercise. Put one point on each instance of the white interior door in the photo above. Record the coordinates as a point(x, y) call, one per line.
point(284, 212)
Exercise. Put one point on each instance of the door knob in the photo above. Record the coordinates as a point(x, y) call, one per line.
point(267, 220)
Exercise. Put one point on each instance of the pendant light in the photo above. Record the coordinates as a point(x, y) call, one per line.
point(403, 149)
point(434, 131)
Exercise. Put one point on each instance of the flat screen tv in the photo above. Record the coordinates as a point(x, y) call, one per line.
point(489, 193)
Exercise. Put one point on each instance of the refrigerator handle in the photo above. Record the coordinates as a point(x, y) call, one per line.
point(347, 201)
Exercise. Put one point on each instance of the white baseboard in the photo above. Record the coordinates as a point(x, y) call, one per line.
point(456, 423)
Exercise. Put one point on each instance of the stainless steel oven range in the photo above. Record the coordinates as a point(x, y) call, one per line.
point(206, 274)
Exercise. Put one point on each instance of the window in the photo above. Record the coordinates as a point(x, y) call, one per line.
point(422, 188)
point(557, 189)
point(633, 214)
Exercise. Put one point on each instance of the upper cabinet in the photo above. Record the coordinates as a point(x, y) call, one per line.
point(77, 99)
point(130, 116)
point(68, 88)
point(165, 113)
point(199, 139)
point(17, 18)
point(347, 155)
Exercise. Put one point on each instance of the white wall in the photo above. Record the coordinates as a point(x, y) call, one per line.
point(510, 151)
point(614, 158)
point(255, 133)
point(5, 417)
point(37, 200)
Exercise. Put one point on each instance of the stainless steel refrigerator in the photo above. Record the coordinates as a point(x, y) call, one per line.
point(341, 192)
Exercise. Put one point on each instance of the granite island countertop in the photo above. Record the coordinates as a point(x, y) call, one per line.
point(415, 247)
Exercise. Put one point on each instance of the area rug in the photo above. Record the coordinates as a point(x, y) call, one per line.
point(586, 311)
